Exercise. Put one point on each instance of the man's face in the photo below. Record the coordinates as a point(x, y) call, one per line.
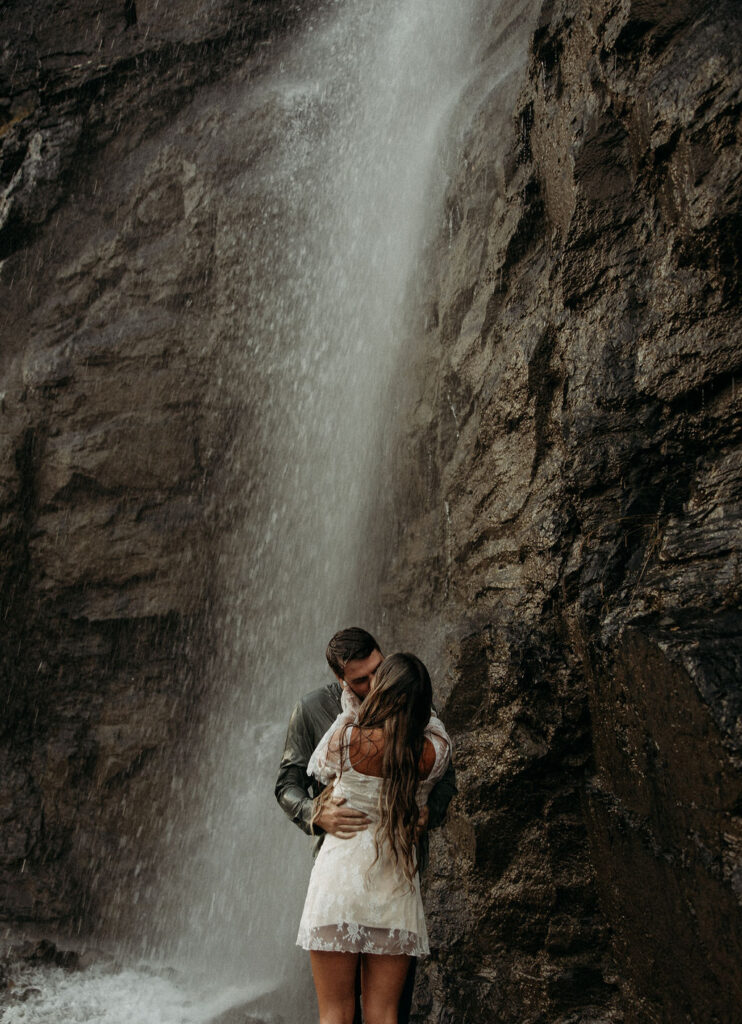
point(360, 672)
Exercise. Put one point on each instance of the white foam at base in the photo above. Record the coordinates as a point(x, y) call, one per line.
point(102, 995)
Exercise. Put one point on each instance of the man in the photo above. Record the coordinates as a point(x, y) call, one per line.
point(354, 657)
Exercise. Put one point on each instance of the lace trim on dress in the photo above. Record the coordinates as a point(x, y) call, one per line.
point(359, 938)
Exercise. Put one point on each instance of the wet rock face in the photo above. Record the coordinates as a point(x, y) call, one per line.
point(568, 504)
point(73, 75)
point(112, 426)
point(576, 458)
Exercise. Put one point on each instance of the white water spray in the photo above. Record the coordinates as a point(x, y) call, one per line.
point(348, 195)
point(318, 244)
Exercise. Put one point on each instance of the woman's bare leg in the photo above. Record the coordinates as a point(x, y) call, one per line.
point(335, 981)
point(382, 981)
point(405, 1000)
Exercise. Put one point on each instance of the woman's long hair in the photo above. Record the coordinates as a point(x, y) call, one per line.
point(399, 704)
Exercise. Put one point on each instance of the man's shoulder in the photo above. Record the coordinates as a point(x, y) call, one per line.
point(324, 699)
point(315, 713)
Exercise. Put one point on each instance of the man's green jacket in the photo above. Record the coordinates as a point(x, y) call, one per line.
point(295, 790)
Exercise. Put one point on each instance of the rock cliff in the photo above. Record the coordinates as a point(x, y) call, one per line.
point(110, 431)
point(569, 530)
point(567, 504)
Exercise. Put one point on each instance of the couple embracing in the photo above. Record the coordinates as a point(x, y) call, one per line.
point(367, 766)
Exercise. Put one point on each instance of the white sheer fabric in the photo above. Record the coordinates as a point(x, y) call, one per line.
point(353, 904)
point(325, 763)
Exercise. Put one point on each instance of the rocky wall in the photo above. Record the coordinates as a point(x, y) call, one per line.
point(567, 504)
point(113, 426)
point(569, 541)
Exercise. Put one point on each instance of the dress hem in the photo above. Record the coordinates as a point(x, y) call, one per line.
point(358, 938)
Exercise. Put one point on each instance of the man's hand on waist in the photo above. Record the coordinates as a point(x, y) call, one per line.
point(341, 821)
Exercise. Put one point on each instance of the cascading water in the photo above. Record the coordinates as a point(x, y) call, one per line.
point(346, 196)
point(320, 236)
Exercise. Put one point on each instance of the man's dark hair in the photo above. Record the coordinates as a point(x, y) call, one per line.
point(349, 645)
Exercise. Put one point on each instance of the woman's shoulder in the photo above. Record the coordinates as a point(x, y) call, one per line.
point(427, 761)
point(366, 752)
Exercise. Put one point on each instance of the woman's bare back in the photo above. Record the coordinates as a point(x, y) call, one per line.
point(366, 753)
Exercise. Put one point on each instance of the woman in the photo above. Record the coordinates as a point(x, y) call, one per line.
point(364, 892)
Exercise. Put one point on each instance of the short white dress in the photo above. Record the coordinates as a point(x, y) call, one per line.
point(354, 905)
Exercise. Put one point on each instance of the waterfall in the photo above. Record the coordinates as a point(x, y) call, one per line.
point(331, 221)
point(336, 155)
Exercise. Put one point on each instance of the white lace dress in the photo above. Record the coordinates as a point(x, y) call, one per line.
point(352, 904)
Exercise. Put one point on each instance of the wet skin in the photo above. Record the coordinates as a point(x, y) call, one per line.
point(335, 817)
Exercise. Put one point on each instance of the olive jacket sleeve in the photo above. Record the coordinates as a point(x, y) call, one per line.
point(295, 789)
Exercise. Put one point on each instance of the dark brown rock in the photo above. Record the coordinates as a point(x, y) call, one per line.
point(571, 561)
point(46, 952)
point(568, 504)
point(28, 993)
point(109, 434)
point(73, 73)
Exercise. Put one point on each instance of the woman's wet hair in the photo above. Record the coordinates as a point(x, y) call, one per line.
point(399, 704)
